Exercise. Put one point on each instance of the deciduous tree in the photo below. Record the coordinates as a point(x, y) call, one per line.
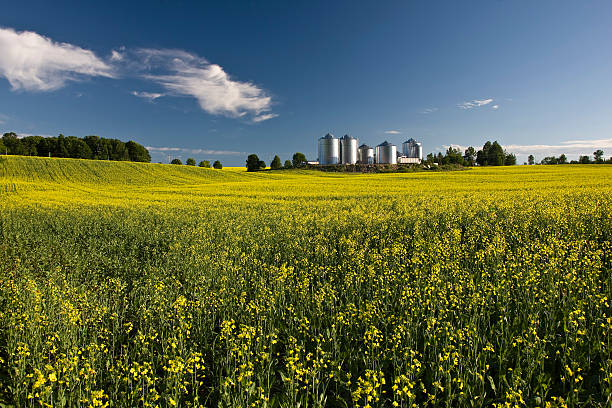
point(299, 159)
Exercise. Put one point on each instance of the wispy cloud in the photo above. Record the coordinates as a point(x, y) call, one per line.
point(193, 151)
point(3, 118)
point(476, 103)
point(186, 74)
point(150, 96)
point(264, 116)
point(429, 110)
point(495, 107)
point(117, 55)
point(32, 62)
point(569, 147)
point(393, 132)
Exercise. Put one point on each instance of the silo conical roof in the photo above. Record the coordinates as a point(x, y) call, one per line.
point(385, 143)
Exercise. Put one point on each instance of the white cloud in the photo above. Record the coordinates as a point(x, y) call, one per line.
point(193, 151)
point(429, 110)
point(117, 55)
point(568, 147)
point(32, 62)
point(184, 73)
point(461, 148)
point(393, 132)
point(151, 96)
point(495, 107)
point(264, 116)
point(476, 103)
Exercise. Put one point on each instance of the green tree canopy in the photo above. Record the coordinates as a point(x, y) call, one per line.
point(12, 144)
point(119, 150)
point(483, 155)
point(276, 163)
point(299, 159)
point(217, 165)
point(60, 147)
point(176, 161)
point(88, 147)
point(495, 156)
point(253, 163)
point(77, 148)
point(453, 156)
point(190, 161)
point(510, 159)
point(288, 164)
point(204, 163)
point(30, 145)
point(469, 155)
point(137, 152)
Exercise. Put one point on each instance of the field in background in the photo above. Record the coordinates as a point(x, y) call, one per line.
point(157, 285)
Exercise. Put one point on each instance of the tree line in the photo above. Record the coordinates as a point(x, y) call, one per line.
point(204, 163)
point(491, 154)
point(583, 159)
point(254, 164)
point(88, 147)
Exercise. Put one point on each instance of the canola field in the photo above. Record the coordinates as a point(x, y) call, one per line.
point(142, 285)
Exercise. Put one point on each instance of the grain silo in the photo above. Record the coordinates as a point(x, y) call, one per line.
point(365, 154)
point(329, 150)
point(412, 149)
point(348, 150)
point(386, 153)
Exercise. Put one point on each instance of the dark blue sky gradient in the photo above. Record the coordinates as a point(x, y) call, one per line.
point(357, 67)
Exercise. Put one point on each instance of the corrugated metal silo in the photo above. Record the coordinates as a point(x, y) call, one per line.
point(386, 153)
point(329, 150)
point(365, 154)
point(412, 149)
point(348, 150)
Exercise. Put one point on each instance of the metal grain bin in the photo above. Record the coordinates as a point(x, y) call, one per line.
point(348, 150)
point(329, 150)
point(365, 154)
point(386, 153)
point(412, 149)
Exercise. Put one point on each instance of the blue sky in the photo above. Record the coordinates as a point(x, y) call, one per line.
point(221, 80)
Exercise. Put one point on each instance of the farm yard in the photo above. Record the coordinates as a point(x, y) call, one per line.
point(139, 285)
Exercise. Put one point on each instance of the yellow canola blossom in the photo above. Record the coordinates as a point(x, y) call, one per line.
point(127, 284)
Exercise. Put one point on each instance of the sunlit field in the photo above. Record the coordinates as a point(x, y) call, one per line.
point(138, 285)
